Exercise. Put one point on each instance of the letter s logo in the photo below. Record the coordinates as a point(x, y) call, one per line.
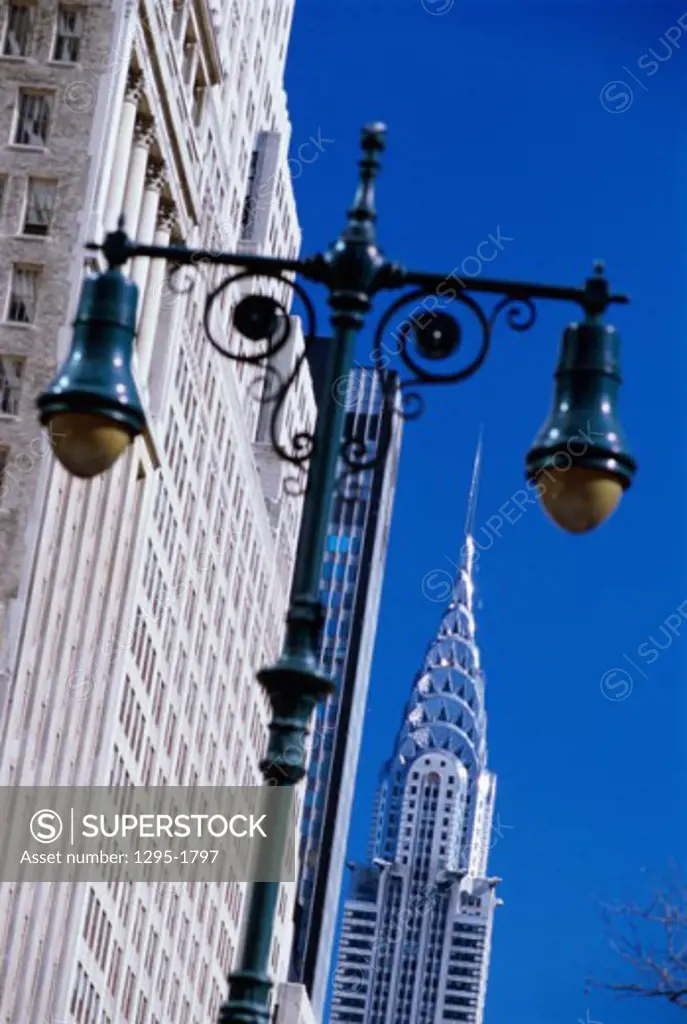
point(46, 826)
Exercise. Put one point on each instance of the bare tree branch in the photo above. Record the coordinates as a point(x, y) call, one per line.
point(652, 942)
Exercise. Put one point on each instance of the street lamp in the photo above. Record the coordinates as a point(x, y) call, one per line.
point(93, 408)
point(579, 463)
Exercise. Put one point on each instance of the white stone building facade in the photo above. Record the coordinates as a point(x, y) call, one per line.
point(135, 608)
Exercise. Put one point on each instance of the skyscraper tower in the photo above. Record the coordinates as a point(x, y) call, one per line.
point(351, 584)
point(416, 935)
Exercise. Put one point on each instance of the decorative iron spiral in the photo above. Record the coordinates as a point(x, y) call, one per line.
point(520, 310)
point(354, 456)
point(441, 338)
point(263, 320)
point(436, 341)
point(354, 449)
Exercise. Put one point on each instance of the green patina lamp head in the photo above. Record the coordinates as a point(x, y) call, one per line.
point(579, 461)
point(92, 407)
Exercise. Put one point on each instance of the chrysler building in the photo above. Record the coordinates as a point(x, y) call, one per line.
point(417, 926)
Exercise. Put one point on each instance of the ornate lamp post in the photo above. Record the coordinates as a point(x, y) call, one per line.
point(578, 464)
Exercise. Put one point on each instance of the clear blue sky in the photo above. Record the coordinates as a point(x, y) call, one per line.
point(495, 119)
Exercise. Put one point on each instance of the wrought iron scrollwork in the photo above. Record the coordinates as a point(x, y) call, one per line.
point(354, 451)
point(425, 339)
point(430, 336)
point(356, 460)
point(258, 318)
point(422, 343)
point(520, 311)
point(264, 321)
point(420, 346)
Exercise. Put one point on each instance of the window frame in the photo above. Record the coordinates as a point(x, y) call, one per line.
point(15, 5)
point(68, 8)
point(31, 181)
point(49, 96)
point(13, 389)
point(35, 272)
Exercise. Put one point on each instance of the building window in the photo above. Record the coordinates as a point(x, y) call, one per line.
point(70, 22)
point(11, 372)
point(33, 118)
point(23, 292)
point(190, 60)
point(40, 203)
point(19, 30)
point(249, 206)
point(199, 96)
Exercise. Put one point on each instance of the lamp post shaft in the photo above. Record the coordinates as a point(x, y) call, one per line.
point(305, 599)
point(250, 985)
point(294, 684)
